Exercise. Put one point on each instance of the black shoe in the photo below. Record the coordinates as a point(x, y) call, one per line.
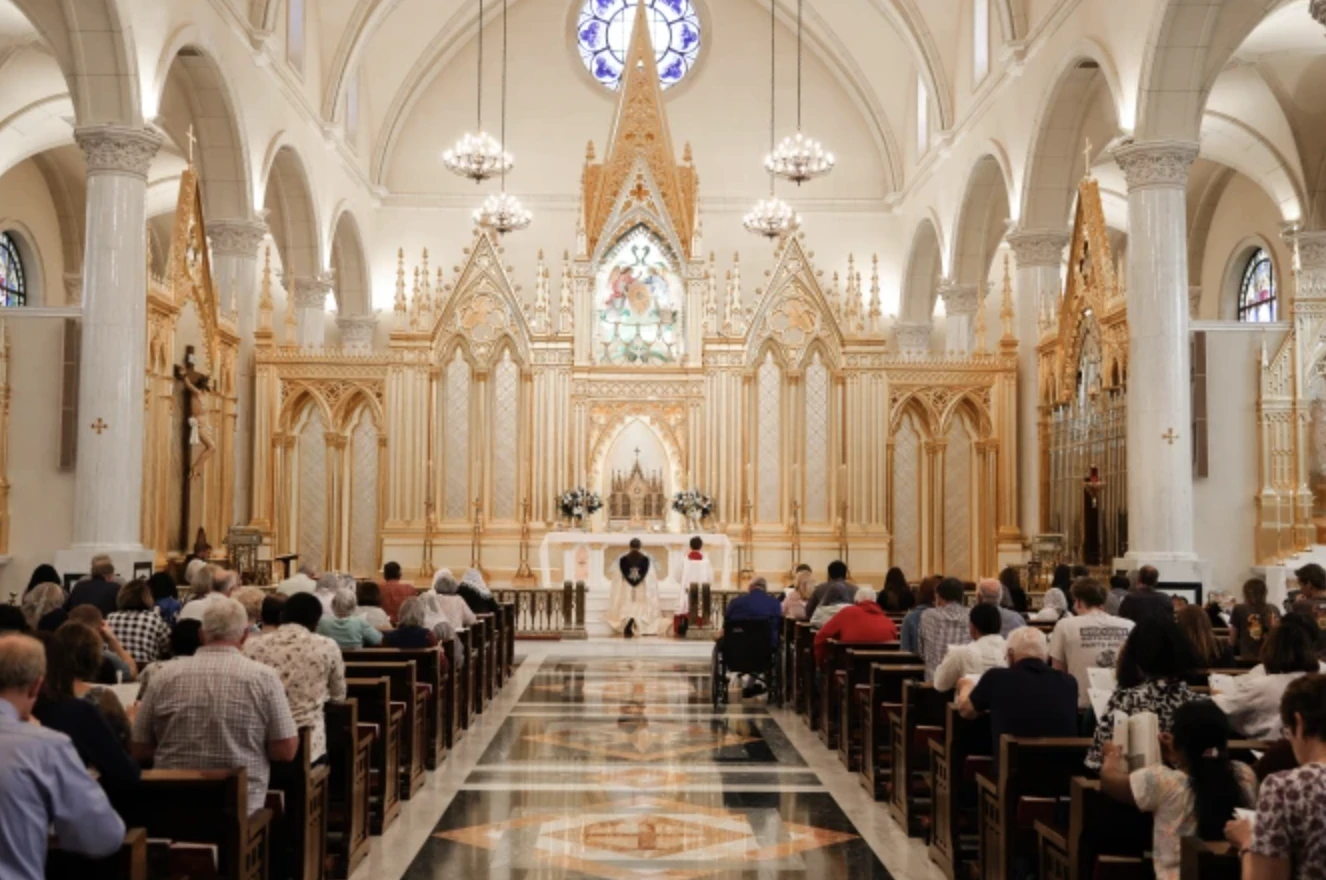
point(754, 689)
point(629, 632)
point(683, 626)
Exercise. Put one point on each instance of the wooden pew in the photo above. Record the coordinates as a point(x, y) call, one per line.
point(299, 833)
point(403, 675)
point(1203, 860)
point(490, 685)
point(803, 670)
point(1103, 838)
point(208, 807)
point(431, 672)
point(786, 659)
point(452, 708)
point(854, 691)
point(129, 863)
point(954, 762)
point(349, 758)
point(465, 679)
point(911, 727)
point(375, 707)
point(883, 693)
point(479, 653)
point(1033, 775)
point(833, 695)
point(508, 666)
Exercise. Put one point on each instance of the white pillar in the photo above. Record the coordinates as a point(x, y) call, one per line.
point(960, 302)
point(108, 479)
point(235, 246)
point(310, 310)
point(1160, 520)
point(357, 332)
point(1039, 254)
point(912, 338)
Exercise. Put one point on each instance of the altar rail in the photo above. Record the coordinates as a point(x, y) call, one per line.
point(547, 614)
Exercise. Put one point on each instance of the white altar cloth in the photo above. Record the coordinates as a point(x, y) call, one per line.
point(677, 546)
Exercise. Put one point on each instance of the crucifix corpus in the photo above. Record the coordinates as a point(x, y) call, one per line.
point(196, 432)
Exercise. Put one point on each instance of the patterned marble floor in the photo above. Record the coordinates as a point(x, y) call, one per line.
point(607, 760)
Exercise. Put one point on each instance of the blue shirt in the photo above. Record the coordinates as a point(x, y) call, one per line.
point(43, 784)
point(911, 629)
point(351, 633)
point(756, 605)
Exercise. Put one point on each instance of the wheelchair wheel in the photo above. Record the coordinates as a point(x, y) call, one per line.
point(718, 682)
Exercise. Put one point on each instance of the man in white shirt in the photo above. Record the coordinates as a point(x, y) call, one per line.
point(986, 650)
point(1090, 639)
point(305, 580)
point(223, 583)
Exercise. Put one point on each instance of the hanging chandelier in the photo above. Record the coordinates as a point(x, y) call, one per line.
point(771, 217)
point(503, 212)
point(478, 156)
point(799, 157)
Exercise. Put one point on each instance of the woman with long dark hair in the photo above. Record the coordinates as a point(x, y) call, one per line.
point(1012, 583)
point(911, 624)
point(897, 594)
point(1252, 619)
point(42, 574)
point(1195, 795)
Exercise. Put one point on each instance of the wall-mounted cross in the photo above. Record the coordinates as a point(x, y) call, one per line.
point(1169, 436)
point(192, 140)
point(99, 426)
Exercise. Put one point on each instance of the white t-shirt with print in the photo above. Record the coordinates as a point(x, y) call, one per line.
point(1091, 639)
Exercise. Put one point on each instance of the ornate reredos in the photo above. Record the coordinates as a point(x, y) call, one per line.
point(189, 267)
point(1091, 295)
point(640, 135)
point(794, 312)
point(483, 307)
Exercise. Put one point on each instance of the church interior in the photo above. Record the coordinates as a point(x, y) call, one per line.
point(583, 297)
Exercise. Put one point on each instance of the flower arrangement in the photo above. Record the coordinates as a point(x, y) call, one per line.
point(692, 504)
point(579, 503)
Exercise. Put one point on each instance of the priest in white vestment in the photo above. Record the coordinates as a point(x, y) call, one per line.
point(695, 569)
point(633, 606)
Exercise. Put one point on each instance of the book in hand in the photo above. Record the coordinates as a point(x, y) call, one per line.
point(1138, 737)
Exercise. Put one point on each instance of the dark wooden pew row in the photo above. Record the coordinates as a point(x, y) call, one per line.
point(376, 708)
point(803, 670)
point(479, 654)
point(130, 863)
point(453, 707)
point(349, 759)
point(299, 829)
point(432, 672)
point(1202, 860)
point(786, 661)
point(465, 679)
point(1034, 774)
point(854, 695)
point(833, 693)
point(911, 728)
point(954, 762)
point(202, 807)
point(889, 676)
point(414, 730)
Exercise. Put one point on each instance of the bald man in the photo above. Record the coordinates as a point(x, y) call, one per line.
point(43, 784)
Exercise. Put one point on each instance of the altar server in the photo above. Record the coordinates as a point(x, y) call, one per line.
point(696, 569)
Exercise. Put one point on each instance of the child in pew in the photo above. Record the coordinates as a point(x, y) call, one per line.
point(1194, 792)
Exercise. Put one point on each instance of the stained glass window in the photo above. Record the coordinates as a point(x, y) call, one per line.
point(13, 283)
point(1257, 302)
point(603, 34)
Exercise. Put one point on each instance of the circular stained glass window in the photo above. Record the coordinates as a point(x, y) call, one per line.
point(603, 34)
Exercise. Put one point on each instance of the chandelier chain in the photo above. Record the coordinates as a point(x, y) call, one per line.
point(773, 72)
point(799, 4)
point(504, 2)
point(478, 103)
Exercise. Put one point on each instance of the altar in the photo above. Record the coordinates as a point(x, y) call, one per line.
point(676, 544)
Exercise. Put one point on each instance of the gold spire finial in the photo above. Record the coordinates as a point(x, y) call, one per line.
point(1008, 341)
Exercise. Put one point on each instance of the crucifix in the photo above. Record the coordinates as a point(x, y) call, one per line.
point(1086, 156)
point(196, 432)
point(192, 140)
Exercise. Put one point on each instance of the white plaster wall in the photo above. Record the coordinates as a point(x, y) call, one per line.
point(25, 206)
point(1245, 215)
point(1226, 516)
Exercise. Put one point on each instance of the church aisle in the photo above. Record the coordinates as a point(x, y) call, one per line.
point(605, 759)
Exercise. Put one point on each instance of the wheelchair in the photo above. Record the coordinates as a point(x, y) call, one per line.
point(747, 648)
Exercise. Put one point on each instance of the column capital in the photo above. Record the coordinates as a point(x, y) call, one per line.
point(73, 288)
point(311, 293)
point(1318, 10)
point(118, 149)
point(1037, 247)
point(959, 299)
point(236, 238)
point(912, 337)
point(357, 331)
point(1152, 164)
point(1310, 244)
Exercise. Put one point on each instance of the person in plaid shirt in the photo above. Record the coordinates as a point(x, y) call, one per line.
point(137, 624)
point(945, 624)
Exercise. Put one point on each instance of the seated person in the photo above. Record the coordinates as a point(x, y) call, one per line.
point(1089, 639)
point(695, 569)
point(99, 589)
point(826, 611)
point(987, 650)
point(1252, 619)
point(117, 664)
point(44, 788)
point(270, 615)
point(754, 604)
point(860, 623)
point(394, 590)
point(1195, 795)
point(218, 709)
point(344, 627)
point(1028, 698)
point(369, 597)
point(795, 599)
point(251, 598)
point(185, 640)
point(1209, 652)
point(837, 590)
point(411, 631)
point(944, 625)
point(1288, 841)
point(137, 625)
point(1253, 702)
point(991, 592)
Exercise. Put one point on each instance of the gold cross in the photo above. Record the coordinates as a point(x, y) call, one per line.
point(1086, 155)
point(1169, 436)
point(99, 426)
point(192, 140)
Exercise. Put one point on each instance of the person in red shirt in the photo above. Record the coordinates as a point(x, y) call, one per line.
point(863, 622)
point(394, 590)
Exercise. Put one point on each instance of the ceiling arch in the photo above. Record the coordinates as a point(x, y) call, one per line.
point(292, 215)
point(924, 266)
point(350, 265)
point(982, 221)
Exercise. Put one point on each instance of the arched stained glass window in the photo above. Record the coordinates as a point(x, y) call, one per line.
point(603, 34)
point(13, 283)
point(1257, 300)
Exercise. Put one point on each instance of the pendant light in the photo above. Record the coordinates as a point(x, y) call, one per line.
point(771, 217)
point(799, 157)
point(503, 212)
point(478, 156)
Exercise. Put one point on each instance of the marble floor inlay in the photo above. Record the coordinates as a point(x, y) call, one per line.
point(604, 760)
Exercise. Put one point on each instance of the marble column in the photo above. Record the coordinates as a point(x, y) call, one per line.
point(108, 478)
point(960, 302)
point(357, 332)
point(310, 310)
point(1160, 518)
point(235, 246)
point(1039, 254)
point(912, 338)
